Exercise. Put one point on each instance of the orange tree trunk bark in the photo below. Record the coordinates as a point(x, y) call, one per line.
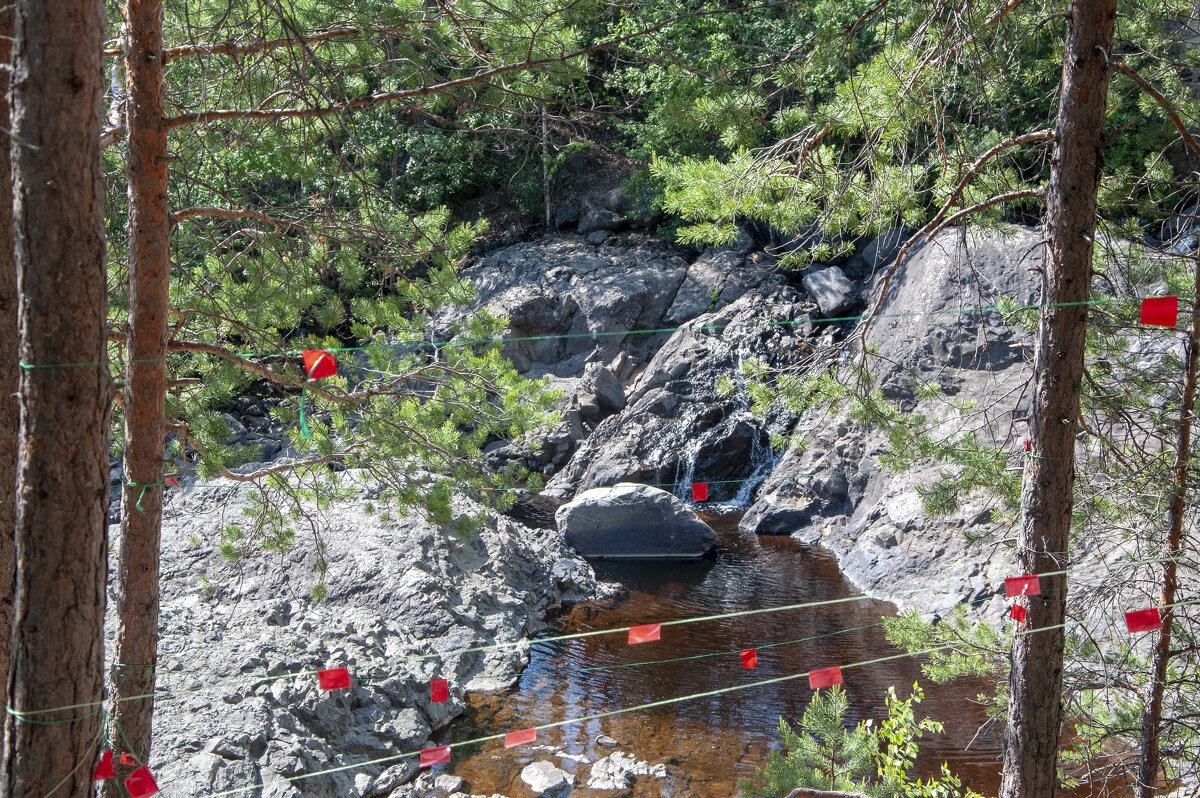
point(145, 385)
point(10, 373)
point(1031, 737)
point(57, 656)
point(1151, 764)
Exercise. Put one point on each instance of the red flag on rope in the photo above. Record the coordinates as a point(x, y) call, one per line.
point(319, 364)
point(1022, 586)
point(439, 690)
point(646, 633)
point(513, 739)
point(104, 768)
point(333, 678)
point(140, 783)
point(171, 482)
point(1017, 613)
point(699, 491)
point(749, 658)
point(1143, 620)
point(1162, 311)
point(435, 756)
point(825, 677)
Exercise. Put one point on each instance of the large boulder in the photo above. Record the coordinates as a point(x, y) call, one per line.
point(832, 290)
point(633, 521)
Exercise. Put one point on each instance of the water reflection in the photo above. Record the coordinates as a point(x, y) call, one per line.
point(709, 743)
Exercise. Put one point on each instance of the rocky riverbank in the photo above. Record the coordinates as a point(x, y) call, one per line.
point(241, 639)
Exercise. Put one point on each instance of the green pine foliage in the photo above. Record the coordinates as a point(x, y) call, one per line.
point(824, 754)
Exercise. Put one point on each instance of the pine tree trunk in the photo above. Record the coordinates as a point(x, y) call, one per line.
point(1151, 763)
point(57, 656)
point(145, 384)
point(1032, 735)
point(10, 373)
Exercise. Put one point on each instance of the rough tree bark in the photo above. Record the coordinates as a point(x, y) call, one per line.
point(145, 384)
point(1032, 735)
point(57, 656)
point(10, 373)
point(1151, 763)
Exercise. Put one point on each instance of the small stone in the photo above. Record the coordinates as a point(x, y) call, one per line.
point(606, 741)
point(546, 779)
point(597, 238)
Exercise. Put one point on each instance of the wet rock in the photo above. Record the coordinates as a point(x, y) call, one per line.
point(635, 521)
point(546, 779)
point(617, 771)
point(605, 741)
point(832, 290)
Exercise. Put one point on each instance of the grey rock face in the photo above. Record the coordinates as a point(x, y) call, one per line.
point(544, 778)
point(832, 290)
point(633, 521)
point(240, 640)
point(873, 519)
point(879, 253)
point(598, 219)
point(618, 201)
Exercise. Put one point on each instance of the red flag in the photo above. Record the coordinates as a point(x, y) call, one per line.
point(699, 491)
point(435, 756)
point(647, 633)
point(1022, 586)
point(318, 364)
point(513, 739)
point(439, 690)
point(104, 768)
point(1143, 620)
point(333, 678)
point(1160, 311)
point(825, 677)
point(1017, 613)
point(140, 783)
point(749, 658)
point(171, 482)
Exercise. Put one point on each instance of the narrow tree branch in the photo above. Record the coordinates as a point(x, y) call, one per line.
point(1145, 86)
point(229, 213)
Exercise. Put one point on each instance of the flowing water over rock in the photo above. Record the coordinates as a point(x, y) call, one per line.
point(709, 743)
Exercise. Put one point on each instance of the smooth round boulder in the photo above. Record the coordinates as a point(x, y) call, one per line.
point(630, 521)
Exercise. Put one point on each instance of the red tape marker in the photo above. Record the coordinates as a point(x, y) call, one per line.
point(333, 678)
point(104, 768)
point(1017, 613)
point(646, 633)
point(825, 677)
point(749, 658)
point(1022, 586)
point(140, 783)
point(513, 739)
point(699, 491)
point(1160, 311)
point(319, 364)
point(435, 756)
point(1143, 620)
point(439, 690)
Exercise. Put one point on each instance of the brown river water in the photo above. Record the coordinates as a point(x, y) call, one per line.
point(709, 743)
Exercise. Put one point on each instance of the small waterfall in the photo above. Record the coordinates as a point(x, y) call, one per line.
point(762, 463)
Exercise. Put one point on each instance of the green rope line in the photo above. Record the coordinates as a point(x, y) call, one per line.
point(647, 331)
point(144, 486)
